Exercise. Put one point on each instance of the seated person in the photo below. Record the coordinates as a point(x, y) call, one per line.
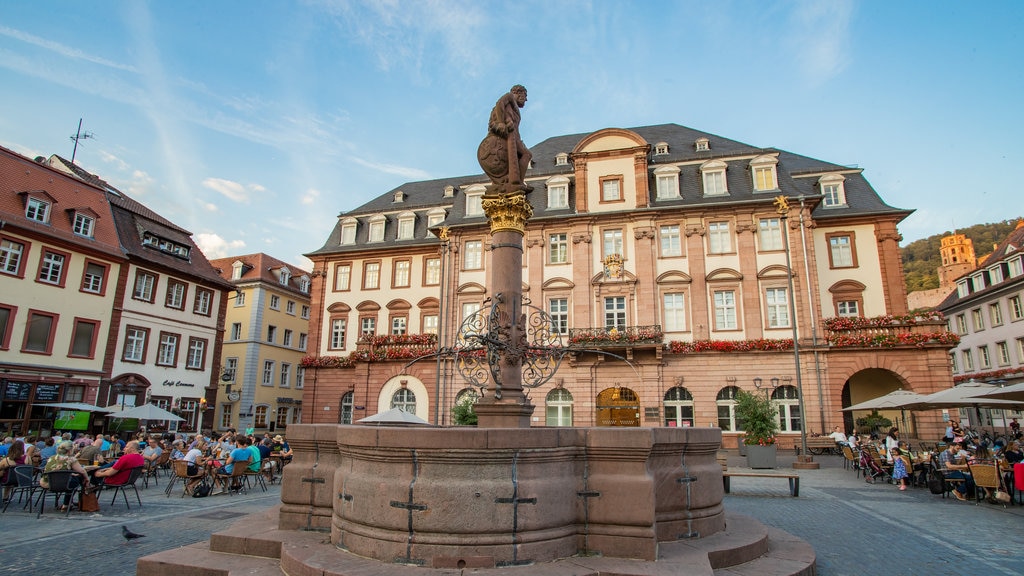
point(194, 462)
point(838, 436)
point(241, 453)
point(63, 460)
point(152, 452)
point(954, 466)
point(283, 449)
point(118, 473)
point(256, 456)
point(93, 452)
point(1012, 453)
point(49, 449)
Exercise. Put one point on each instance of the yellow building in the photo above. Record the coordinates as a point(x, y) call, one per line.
point(265, 334)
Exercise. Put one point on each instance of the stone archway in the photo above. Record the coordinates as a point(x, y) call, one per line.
point(871, 383)
point(618, 407)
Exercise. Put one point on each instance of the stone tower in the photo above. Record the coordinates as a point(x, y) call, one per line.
point(957, 259)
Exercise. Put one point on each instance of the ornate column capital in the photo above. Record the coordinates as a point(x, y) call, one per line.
point(584, 237)
point(507, 212)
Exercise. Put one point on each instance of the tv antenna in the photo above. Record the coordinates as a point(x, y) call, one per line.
point(79, 135)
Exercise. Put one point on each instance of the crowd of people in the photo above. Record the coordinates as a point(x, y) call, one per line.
point(108, 460)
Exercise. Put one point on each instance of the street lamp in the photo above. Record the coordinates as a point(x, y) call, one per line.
point(782, 208)
point(773, 383)
point(119, 388)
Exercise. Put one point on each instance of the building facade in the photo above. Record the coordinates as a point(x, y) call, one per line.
point(266, 336)
point(660, 257)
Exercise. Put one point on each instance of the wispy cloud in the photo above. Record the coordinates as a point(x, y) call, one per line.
point(213, 246)
point(208, 206)
point(61, 49)
point(404, 171)
point(820, 37)
point(310, 196)
point(232, 190)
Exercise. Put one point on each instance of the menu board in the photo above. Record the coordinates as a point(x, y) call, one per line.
point(17, 390)
point(47, 392)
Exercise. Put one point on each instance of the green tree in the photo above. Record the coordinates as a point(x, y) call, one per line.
point(760, 418)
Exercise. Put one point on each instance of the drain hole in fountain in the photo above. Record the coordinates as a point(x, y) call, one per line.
point(460, 564)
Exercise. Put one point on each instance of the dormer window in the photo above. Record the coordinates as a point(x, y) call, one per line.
point(377, 228)
point(961, 289)
point(713, 174)
point(449, 191)
point(83, 225)
point(702, 145)
point(558, 193)
point(399, 197)
point(561, 159)
point(304, 284)
point(284, 277)
point(37, 209)
point(763, 171)
point(237, 269)
point(434, 217)
point(164, 245)
point(474, 205)
point(667, 182)
point(661, 148)
point(406, 225)
point(832, 190)
point(348, 231)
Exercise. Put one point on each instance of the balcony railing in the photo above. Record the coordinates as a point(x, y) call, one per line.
point(897, 333)
point(626, 337)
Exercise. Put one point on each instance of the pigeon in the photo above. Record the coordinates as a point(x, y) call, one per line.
point(129, 535)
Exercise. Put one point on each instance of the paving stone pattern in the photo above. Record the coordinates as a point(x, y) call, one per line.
point(855, 528)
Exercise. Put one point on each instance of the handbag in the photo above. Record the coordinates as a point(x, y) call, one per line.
point(1001, 496)
point(89, 502)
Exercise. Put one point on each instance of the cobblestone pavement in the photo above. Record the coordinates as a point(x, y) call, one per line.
point(858, 528)
point(91, 543)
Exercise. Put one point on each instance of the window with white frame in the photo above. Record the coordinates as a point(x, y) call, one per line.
point(713, 176)
point(474, 255)
point(678, 407)
point(726, 404)
point(286, 338)
point(268, 373)
point(406, 225)
point(1020, 350)
point(271, 333)
point(92, 280)
point(612, 242)
point(304, 284)
point(404, 400)
point(558, 193)
point(667, 182)
point(995, 313)
point(342, 277)
point(432, 272)
point(671, 240)
point(286, 374)
point(401, 273)
point(841, 251)
point(977, 320)
point(196, 354)
point(347, 406)
point(52, 268)
point(239, 299)
point(83, 225)
point(230, 369)
point(833, 191)
point(434, 217)
point(725, 310)
point(203, 302)
point(371, 275)
point(611, 189)
point(348, 231)
point(303, 339)
point(787, 398)
point(304, 313)
point(135, 344)
point(10, 256)
point(399, 325)
point(474, 203)
point(983, 355)
point(167, 353)
point(558, 309)
point(968, 360)
point(289, 307)
point(615, 312)
point(762, 169)
point(175, 295)
point(300, 378)
point(953, 362)
point(558, 408)
point(368, 326)
point(848, 308)
point(1015, 267)
point(558, 249)
point(236, 330)
point(777, 307)
point(377, 228)
point(961, 324)
point(284, 277)
point(275, 302)
point(430, 323)
point(769, 233)
point(38, 210)
point(469, 309)
point(1002, 353)
point(719, 238)
point(338, 334)
point(674, 311)
point(995, 275)
point(1016, 308)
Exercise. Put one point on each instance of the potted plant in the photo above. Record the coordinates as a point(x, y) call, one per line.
point(760, 418)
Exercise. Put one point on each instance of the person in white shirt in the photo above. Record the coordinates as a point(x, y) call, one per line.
point(838, 436)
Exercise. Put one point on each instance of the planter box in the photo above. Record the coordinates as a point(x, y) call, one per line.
point(762, 456)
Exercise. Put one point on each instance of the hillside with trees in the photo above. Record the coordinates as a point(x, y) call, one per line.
point(921, 258)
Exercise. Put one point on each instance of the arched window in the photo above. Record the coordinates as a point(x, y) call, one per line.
point(558, 408)
point(787, 398)
point(346, 409)
point(678, 407)
point(726, 402)
point(404, 400)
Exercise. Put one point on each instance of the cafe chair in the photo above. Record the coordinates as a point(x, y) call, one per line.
point(152, 469)
point(61, 484)
point(258, 476)
point(238, 476)
point(985, 476)
point(133, 476)
point(25, 483)
point(179, 468)
point(850, 460)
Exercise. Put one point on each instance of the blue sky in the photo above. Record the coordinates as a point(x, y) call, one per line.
point(254, 123)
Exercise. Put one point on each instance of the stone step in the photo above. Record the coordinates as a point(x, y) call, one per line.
point(787, 556)
point(198, 560)
point(743, 540)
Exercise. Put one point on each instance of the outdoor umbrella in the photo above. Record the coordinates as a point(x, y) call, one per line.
point(1014, 392)
point(395, 417)
point(146, 412)
point(81, 406)
point(962, 396)
point(895, 399)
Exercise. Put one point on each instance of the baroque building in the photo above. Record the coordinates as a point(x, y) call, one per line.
point(660, 257)
point(266, 329)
